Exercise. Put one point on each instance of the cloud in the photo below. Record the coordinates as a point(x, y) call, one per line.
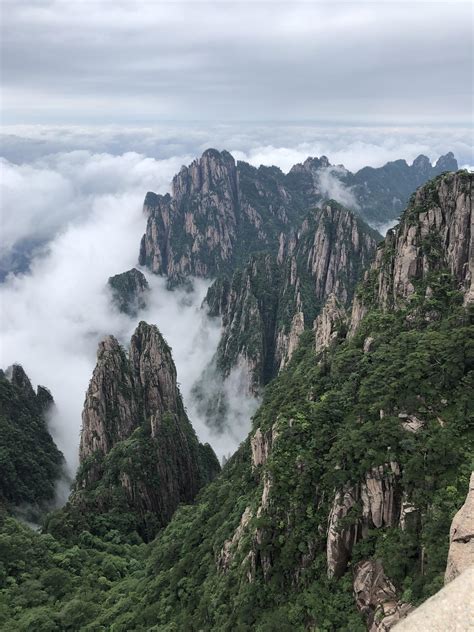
point(40, 198)
point(332, 188)
point(53, 318)
point(358, 62)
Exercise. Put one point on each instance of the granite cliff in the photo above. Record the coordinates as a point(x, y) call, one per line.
point(138, 451)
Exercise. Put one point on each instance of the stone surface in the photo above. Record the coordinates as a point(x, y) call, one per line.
point(436, 233)
point(461, 538)
point(376, 597)
point(267, 304)
point(449, 610)
point(136, 393)
point(330, 324)
point(380, 498)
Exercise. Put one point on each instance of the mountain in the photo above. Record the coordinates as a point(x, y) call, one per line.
point(30, 462)
point(130, 291)
point(267, 305)
point(219, 211)
point(139, 455)
point(335, 512)
point(383, 192)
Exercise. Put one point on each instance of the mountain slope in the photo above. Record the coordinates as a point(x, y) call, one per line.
point(267, 304)
point(30, 462)
point(335, 513)
point(139, 455)
point(220, 211)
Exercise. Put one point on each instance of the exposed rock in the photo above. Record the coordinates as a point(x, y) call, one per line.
point(449, 610)
point(380, 497)
point(268, 303)
point(227, 553)
point(368, 342)
point(461, 538)
point(261, 445)
point(330, 324)
point(376, 597)
point(220, 211)
point(435, 234)
point(409, 514)
point(129, 291)
point(411, 422)
point(136, 393)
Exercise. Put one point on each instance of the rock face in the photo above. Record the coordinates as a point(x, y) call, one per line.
point(380, 497)
point(219, 211)
point(129, 291)
point(376, 597)
point(461, 538)
point(435, 236)
point(136, 436)
point(30, 462)
point(266, 306)
point(330, 325)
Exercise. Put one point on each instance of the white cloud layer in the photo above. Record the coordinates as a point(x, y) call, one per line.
point(46, 195)
point(52, 319)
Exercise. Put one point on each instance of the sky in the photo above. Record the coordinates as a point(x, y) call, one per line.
point(102, 101)
point(135, 62)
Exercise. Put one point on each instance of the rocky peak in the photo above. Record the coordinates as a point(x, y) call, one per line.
point(422, 165)
point(434, 235)
point(214, 171)
point(20, 380)
point(136, 394)
point(129, 291)
point(446, 163)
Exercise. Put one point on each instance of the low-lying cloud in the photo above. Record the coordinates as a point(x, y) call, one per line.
point(40, 198)
point(53, 317)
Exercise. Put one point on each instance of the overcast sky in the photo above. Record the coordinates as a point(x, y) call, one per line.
point(138, 62)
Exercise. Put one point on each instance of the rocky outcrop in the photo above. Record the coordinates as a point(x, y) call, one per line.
point(267, 305)
point(330, 325)
point(379, 495)
point(461, 538)
point(220, 211)
point(227, 553)
point(136, 436)
point(129, 291)
point(376, 597)
point(435, 238)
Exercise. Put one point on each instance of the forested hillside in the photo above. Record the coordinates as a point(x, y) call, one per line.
point(334, 513)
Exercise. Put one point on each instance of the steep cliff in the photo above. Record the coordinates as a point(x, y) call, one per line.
point(431, 250)
point(267, 305)
point(138, 450)
point(129, 291)
point(30, 462)
point(220, 212)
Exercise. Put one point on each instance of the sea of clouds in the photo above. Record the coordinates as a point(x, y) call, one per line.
point(78, 194)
